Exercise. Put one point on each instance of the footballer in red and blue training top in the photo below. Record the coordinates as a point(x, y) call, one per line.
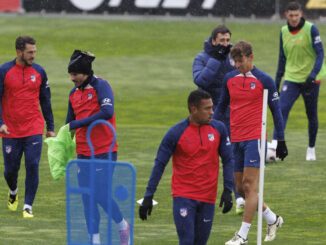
point(195, 145)
point(23, 89)
point(92, 99)
point(243, 91)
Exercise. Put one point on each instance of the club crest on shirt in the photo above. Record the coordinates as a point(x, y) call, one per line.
point(8, 149)
point(33, 78)
point(253, 85)
point(89, 96)
point(183, 212)
point(211, 137)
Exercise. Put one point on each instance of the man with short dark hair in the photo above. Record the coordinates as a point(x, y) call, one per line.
point(301, 62)
point(92, 99)
point(24, 88)
point(195, 145)
point(243, 91)
point(209, 68)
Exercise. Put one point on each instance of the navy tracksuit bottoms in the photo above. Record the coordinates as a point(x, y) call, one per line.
point(13, 149)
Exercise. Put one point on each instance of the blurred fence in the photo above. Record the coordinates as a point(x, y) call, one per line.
point(218, 8)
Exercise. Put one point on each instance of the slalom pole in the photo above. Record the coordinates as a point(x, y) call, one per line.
point(262, 168)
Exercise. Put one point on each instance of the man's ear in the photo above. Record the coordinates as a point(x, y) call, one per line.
point(193, 109)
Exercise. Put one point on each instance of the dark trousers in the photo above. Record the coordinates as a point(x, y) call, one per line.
point(13, 149)
point(193, 220)
point(289, 94)
point(101, 192)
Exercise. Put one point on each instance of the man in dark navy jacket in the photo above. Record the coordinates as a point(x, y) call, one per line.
point(195, 145)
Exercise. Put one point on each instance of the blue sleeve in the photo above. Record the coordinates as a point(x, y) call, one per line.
point(70, 114)
point(318, 47)
point(225, 151)
point(105, 100)
point(274, 105)
point(45, 102)
point(164, 153)
point(204, 74)
point(281, 63)
point(224, 101)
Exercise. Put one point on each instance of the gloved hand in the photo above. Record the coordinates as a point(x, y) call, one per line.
point(281, 149)
point(226, 198)
point(309, 83)
point(146, 207)
point(221, 51)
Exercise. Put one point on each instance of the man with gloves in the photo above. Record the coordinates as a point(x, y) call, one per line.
point(195, 145)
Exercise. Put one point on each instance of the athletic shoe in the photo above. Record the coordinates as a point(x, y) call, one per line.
point(237, 240)
point(12, 202)
point(125, 236)
point(27, 213)
point(239, 209)
point(271, 229)
point(311, 155)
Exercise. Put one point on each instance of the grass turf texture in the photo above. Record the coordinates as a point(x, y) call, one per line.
point(149, 66)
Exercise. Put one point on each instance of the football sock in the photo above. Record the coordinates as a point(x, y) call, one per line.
point(269, 216)
point(27, 206)
point(243, 232)
point(122, 225)
point(14, 192)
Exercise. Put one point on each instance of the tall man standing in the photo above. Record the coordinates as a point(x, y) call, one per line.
point(92, 99)
point(195, 145)
point(209, 68)
point(301, 61)
point(23, 88)
point(243, 91)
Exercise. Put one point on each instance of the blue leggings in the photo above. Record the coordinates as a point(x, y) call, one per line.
point(193, 220)
point(101, 192)
point(289, 94)
point(13, 149)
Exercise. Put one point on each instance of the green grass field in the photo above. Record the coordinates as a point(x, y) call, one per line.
point(149, 66)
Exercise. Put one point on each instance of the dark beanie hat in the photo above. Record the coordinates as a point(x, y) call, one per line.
point(81, 62)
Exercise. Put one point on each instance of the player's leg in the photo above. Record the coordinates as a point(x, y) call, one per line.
point(311, 102)
point(32, 152)
point(203, 223)
point(184, 214)
point(101, 186)
point(12, 151)
point(289, 94)
point(83, 177)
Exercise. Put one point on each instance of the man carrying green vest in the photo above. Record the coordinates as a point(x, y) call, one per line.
point(301, 61)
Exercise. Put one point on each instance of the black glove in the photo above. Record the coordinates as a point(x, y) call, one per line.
point(146, 207)
point(309, 84)
point(226, 198)
point(281, 149)
point(221, 51)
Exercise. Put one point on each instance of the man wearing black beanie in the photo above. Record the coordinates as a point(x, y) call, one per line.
point(92, 99)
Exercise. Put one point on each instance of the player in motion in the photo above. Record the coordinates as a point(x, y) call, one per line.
point(243, 91)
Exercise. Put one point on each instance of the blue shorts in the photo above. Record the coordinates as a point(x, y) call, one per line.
point(246, 154)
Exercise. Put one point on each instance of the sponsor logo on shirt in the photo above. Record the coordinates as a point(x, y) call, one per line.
point(228, 142)
point(253, 85)
point(89, 96)
point(33, 78)
point(183, 212)
point(8, 149)
point(275, 96)
point(317, 40)
point(211, 137)
point(106, 101)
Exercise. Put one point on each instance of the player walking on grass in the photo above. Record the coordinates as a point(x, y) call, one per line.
point(195, 145)
point(209, 68)
point(92, 99)
point(243, 91)
point(301, 62)
point(24, 88)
